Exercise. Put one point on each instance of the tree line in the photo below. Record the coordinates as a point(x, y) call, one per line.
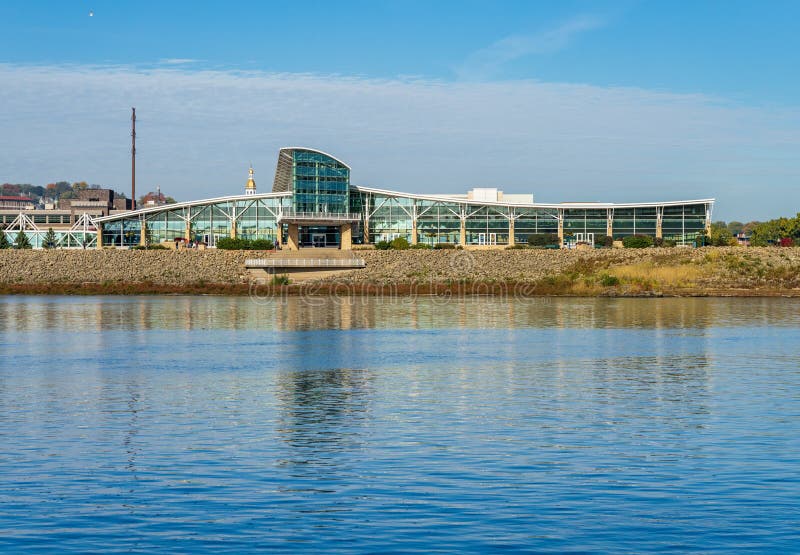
point(50, 192)
point(779, 231)
point(64, 190)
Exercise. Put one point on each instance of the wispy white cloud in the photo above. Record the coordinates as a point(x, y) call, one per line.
point(199, 130)
point(177, 61)
point(486, 62)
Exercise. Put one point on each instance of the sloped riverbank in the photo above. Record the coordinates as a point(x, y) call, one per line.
point(724, 271)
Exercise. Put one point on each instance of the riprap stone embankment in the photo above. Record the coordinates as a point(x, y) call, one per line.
point(727, 270)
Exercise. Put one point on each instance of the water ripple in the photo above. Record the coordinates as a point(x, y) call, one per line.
point(210, 425)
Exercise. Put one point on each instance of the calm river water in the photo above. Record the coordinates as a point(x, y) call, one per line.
point(210, 424)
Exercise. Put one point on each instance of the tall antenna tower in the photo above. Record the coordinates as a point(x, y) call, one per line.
point(133, 158)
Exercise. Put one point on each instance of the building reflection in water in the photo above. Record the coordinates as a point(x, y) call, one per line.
point(20, 314)
point(323, 414)
point(132, 429)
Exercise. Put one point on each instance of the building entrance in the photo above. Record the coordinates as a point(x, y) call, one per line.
point(484, 240)
point(320, 236)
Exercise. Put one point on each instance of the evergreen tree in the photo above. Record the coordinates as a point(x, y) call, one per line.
point(22, 242)
point(4, 244)
point(49, 241)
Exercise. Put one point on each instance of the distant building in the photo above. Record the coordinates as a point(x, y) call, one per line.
point(156, 198)
point(72, 221)
point(250, 188)
point(496, 195)
point(16, 203)
point(743, 239)
point(98, 202)
point(488, 194)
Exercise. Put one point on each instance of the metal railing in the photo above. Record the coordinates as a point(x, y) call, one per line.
point(91, 203)
point(328, 216)
point(305, 263)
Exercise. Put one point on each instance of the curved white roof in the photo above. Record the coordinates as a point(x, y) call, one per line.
point(317, 151)
point(188, 204)
point(461, 200)
point(396, 194)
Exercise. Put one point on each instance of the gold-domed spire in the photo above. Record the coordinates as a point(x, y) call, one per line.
point(250, 188)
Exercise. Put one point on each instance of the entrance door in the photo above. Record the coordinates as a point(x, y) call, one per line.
point(484, 240)
point(318, 239)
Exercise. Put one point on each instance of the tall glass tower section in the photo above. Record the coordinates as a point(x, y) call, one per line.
point(320, 183)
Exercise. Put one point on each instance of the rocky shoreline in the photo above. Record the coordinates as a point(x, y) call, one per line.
point(719, 271)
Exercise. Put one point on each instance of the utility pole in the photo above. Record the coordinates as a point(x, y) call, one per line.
point(133, 158)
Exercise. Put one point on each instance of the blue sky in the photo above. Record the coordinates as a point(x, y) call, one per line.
point(612, 101)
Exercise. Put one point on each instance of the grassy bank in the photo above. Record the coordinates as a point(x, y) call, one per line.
point(717, 271)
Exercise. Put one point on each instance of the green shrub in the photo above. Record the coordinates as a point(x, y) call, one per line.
point(444, 246)
point(603, 241)
point(4, 244)
point(280, 280)
point(423, 246)
point(262, 245)
point(543, 239)
point(608, 281)
point(637, 242)
point(229, 244)
point(670, 243)
point(383, 245)
point(155, 247)
point(516, 246)
point(399, 243)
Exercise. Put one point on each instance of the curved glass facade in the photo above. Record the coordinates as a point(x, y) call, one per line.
point(253, 217)
point(320, 183)
point(313, 203)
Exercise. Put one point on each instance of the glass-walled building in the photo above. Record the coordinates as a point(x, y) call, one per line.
point(319, 183)
point(313, 204)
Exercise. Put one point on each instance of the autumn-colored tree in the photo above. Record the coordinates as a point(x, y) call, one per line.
point(771, 232)
point(156, 197)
